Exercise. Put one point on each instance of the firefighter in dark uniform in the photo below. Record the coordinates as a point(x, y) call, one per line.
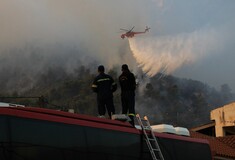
point(128, 86)
point(104, 86)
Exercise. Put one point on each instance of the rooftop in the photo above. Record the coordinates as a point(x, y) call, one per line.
point(220, 146)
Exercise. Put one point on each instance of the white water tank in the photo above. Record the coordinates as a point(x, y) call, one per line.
point(182, 131)
point(163, 128)
point(3, 104)
point(120, 117)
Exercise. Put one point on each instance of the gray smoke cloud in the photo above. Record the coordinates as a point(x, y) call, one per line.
point(192, 39)
point(167, 54)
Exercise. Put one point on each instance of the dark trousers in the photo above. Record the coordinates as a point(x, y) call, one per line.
point(105, 103)
point(128, 104)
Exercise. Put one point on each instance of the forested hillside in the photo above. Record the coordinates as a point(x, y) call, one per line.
point(165, 99)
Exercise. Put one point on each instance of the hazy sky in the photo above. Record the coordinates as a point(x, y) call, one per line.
point(188, 38)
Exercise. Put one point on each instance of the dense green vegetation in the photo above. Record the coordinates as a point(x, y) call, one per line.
point(165, 99)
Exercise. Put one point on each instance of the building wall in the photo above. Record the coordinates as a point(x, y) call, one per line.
point(223, 117)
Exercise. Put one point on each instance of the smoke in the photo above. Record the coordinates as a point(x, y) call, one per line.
point(37, 35)
point(94, 25)
point(166, 54)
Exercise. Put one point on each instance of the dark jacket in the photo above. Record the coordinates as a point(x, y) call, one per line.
point(104, 86)
point(127, 81)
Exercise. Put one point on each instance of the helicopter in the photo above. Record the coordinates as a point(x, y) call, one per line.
point(130, 33)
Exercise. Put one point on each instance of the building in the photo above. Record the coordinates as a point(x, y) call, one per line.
point(222, 148)
point(222, 122)
point(220, 132)
point(224, 118)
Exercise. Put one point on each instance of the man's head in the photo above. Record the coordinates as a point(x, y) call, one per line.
point(101, 69)
point(125, 67)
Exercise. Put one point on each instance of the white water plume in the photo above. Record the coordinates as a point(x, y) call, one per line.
point(166, 54)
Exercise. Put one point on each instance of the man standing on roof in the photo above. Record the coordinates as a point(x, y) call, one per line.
point(104, 86)
point(128, 86)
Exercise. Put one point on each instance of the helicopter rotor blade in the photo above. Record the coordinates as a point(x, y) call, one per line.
point(124, 29)
point(132, 29)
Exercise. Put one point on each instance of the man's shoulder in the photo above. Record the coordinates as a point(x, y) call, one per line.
point(98, 77)
point(104, 76)
point(121, 75)
point(108, 76)
point(126, 74)
point(131, 74)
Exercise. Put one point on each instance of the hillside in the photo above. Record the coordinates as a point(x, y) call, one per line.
point(165, 99)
